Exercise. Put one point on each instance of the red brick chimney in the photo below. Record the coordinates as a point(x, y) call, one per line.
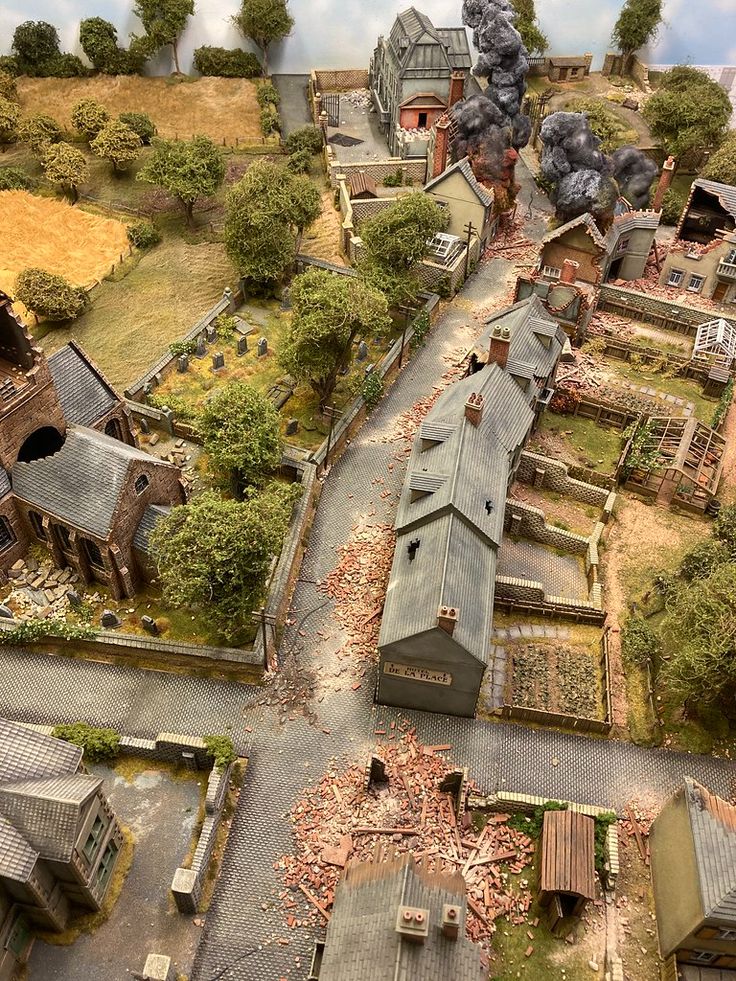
point(665, 182)
point(441, 145)
point(498, 352)
point(450, 921)
point(569, 272)
point(474, 409)
point(457, 88)
point(447, 618)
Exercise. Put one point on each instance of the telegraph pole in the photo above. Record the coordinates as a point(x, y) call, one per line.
point(407, 311)
point(469, 230)
point(260, 616)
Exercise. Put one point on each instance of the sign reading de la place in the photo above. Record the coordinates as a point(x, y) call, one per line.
point(417, 674)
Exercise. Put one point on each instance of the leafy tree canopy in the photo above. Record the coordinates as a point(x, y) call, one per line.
point(527, 25)
point(117, 143)
point(264, 22)
point(65, 165)
point(88, 117)
point(637, 24)
point(163, 22)
point(38, 132)
point(213, 554)
point(188, 169)
point(35, 42)
point(141, 123)
point(14, 179)
point(688, 111)
point(240, 431)
point(8, 88)
point(99, 40)
point(328, 313)
point(48, 295)
point(721, 166)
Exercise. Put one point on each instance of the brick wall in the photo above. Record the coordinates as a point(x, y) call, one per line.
point(36, 406)
point(377, 169)
point(340, 79)
point(555, 253)
point(524, 590)
point(10, 513)
point(650, 309)
point(543, 472)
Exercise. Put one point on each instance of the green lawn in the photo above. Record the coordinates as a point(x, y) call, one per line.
point(684, 388)
point(578, 441)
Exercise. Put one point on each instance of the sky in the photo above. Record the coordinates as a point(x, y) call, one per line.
point(342, 33)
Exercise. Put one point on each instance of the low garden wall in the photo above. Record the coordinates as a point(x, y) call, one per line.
point(579, 483)
point(414, 170)
point(526, 597)
point(526, 521)
point(338, 79)
point(651, 309)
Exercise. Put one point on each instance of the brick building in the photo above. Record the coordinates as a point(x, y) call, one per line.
point(59, 839)
point(71, 476)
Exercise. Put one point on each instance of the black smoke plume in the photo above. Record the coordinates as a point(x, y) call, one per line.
point(634, 173)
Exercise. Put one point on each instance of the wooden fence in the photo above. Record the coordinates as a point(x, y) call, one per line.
point(554, 611)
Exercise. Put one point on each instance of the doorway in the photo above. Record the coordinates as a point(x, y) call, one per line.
point(422, 120)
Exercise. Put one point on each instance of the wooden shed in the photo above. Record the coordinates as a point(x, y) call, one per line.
point(567, 870)
point(362, 186)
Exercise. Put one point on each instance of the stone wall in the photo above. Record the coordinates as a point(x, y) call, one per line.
point(415, 170)
point(652, 310)
point(543, 472)
point(526, 521)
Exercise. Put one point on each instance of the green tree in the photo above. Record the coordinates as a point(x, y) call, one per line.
point(188, 169)
point(307, 138)
point(35, 42)
point(8, 89)
point(213, 555)
point(38, 132)
point(724, 528)
point(267, 212)
point(688, 111)
point(329, 312)
point(163, 22)
point(117, 143)
point(637, 24)
point(264, 22)
point(141, 123)
point(9, 116)
point(721, 166)
point(14, 179)
point(99, 40)
point(88, 117)
point(48, 295)
point(65, 165)
point(527, 25)
point(240, 432)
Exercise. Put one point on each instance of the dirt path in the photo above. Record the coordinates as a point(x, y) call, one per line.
point(728, 480)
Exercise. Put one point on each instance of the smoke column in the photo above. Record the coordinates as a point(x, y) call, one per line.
point(634, 172)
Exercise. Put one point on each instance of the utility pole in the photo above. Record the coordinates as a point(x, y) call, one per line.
point(407, 311)
point(469, 230)
point(260, 616)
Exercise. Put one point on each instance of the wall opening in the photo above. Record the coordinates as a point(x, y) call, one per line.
point(42, 443)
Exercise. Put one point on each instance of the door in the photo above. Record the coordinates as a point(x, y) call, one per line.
point(422, 121)
point(719, 293)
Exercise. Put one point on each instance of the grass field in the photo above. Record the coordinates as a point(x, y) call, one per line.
point(221, 108)
point(53, 235)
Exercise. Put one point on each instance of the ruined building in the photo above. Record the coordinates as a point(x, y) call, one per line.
point(71, 477)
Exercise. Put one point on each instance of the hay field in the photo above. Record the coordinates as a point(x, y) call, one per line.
point(53, 235)
point(221, 108)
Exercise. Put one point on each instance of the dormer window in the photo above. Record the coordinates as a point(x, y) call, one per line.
point(141, 483)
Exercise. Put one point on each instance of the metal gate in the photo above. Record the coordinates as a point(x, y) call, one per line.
point(331, 105)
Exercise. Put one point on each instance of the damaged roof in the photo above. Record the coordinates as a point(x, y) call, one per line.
point(84, 394)
point(725, 193)
point(582, 221)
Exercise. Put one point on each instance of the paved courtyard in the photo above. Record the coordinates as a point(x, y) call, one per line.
point(560, 575)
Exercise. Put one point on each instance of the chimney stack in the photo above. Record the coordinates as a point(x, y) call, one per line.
point(457, 88)
point(569, 272)
point(450, 921)
point(498, 353)
point(412, 924)
point(441, 145)
point(447, 617)
point(665, 181)
point(474, 409)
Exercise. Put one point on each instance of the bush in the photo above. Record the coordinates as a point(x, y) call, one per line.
point(222, 751)
point(270, 122)
point(306, 138)
point(225, 326)
point(182, 409)
point(372, 389)
point(266, 93)
point(702, 559)
point(14, 179)
point(724, 404)
point(299, 162)
point(421, 329)
point(531, 825)
point(62, 66)
point(7, 86)
point(38, 132)
point(724, 527)
point(48, 295)
point(89, 117)
point(226, 62)
point(394, 180)
point(141, 124)
point(33, 631)
point(98, 744)
point(143, 234)
point(672, 206)
point(604, 123)
point(9, 66)
point(177, 348)
point(639, 643)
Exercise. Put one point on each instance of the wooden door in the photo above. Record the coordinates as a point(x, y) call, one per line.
point(719, 292)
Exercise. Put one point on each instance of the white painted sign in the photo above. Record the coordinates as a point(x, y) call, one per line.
point(417, 674)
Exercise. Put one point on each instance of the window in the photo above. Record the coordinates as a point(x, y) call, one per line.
point(141, 483)
point(113, 429)
point(105, 867)
point(93, 839)
point(93, 553)
point(730, 259)
point(726, 935)
point(63, 537)
point(696, 284)
point(675, 277)
point(703, 956)
point(37, 524)
point(551, 272)
point(7, 535)
point(623, 244)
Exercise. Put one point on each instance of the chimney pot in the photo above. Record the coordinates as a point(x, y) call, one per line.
point(447, 617)
point(498, 352)
point(474, 409)
point(569, 271)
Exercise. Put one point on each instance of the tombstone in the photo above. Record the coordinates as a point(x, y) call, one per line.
point(286, 299)
point(149, 624)
point(74, 598)
point(218, 361)
point(210, 334)
point(182, 364)
point(110, 619)
point(201, 347)
point(157, 378)
point(147, 388)
point(242, 346)
point(5, 613)
point(362, 351)
point(262, 348)
point(143, 423)
point(292, 427)
point(369, 369)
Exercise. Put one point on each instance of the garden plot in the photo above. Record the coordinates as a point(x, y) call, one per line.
point(556, 678)
point(56, 237)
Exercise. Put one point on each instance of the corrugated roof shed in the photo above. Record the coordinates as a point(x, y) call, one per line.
point(362, 943)
point(713, 827)
point(535, 339)
point(362, 183)
point(84, 394)
point(568, 854)
point(725, 193)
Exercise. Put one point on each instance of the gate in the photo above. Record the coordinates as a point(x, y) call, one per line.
point(331, 105)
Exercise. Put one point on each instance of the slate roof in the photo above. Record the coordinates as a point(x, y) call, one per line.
point(81, 483)
point(449, 48)
point(362, 943)
point(4, 483)
point(713, 828)
point(41, 794)
point(725, 193)
point(582, 221)
point(458, 50)
point(463, 167)
point(529, 323)
point(84, 394)
point(151, 516)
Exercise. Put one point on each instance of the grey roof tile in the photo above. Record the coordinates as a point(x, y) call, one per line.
point(17, 857)
point(84, 394)
point(28, 755)
point(713, 826)
point(725, 193)
point(536, 340)
point(47, 812)
point(151, 516)
point(4, 483)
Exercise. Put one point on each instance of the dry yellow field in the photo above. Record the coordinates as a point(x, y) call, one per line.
point(221, 108)
point(54, 236)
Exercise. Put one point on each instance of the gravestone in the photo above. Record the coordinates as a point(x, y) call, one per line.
point(286, 299)
point(182, 364)
point(110, 619)
point(74, 598)
point(201, 347)
point(210, 334)
point(218, 361)
point(362, 351)
point(262, 347)
point(292, 427)
point(147, 388)
point(157, 378)
point(369, 369)
point(5, 613)
point(143, 423)
point(149, 624)
point(242, 346)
